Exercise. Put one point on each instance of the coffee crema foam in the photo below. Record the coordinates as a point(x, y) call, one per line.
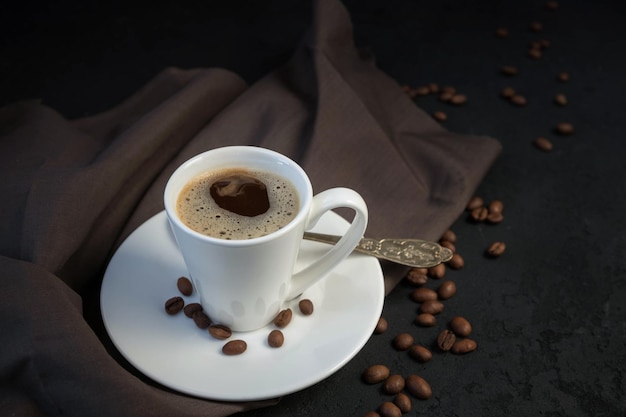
point(199, 211)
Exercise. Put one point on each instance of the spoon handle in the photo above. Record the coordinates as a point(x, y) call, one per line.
point(411, 252)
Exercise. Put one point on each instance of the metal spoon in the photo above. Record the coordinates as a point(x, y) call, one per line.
point(411, 252)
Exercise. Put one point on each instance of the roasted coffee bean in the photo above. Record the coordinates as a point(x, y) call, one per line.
point(563, 76)
point(431, 307)
point(433, 87)
point(552, 5)
point(474, 203)
point(440, 116)
point(234, 347)
point(437, 271)
point(381, 326)
point(394, 384)
point(283, 318)
point(446, 96)
point(519, 100)
point(371, 414)
point(460, 326)
point(420, 353)
point(507, 92)
point(536, 26)
point(445, 340)
point(219, 331)
point(502, 32)
point(422, 91)
point(403, 341)
point(448, 244)
point(275, 338)
point(191, 308)
point(448, 89)
point(422, 294)
point(306, 307)
point(479, 214)
point(456, 262)
point(458, 99)
point(449, 235)
point(496, 249)
point(184, 286)
point(403, 402)
point(543, 144)
point(560, 99)
point(375, 374)
point(426, 320)
point(495, 218)
point(389, 409)
point(509, 70)
point(174, 305)
point(463, 346)
point(417, 276)
point(446, 290)
point(544, 43)
point(496, 206)
point(418, 387)
point(534, 53)
point(201, 319)
point(564, 128)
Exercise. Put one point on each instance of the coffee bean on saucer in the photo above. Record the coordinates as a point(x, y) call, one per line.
point(184, 286)
point(174, 305)
point(445, 340)
point(403, 402)
point(456, 262)
point(394, 384)
point(283, 318)
point(463, 346)
point(460, 326)
point(437, 271)
point(403, 341)
point(389, 409)
point(426, 320)
point(306, 307)
point(564, 128)
point(191, 308)
point(375, 374)
point(219, 331)
point(446, 290)
point(201, 319)
point(496, 249)
point(543, 144)
point(234, 347)
point(417, 276)
point(422, 294)
point(418, 387)
point(381, 326)
point(431, 307)
point(420, 353)
point(275, 338)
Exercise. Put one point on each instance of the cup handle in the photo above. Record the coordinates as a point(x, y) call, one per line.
point(323, 202)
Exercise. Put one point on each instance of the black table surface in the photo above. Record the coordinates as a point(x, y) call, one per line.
point(549, 315)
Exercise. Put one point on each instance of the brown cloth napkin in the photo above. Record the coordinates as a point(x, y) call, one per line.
point(73, 190)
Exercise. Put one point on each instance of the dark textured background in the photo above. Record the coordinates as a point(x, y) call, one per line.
point(549, 315)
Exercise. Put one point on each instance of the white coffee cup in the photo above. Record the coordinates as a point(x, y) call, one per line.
point(243, 284)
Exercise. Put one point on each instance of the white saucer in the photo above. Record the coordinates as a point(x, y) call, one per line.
point(174, 352)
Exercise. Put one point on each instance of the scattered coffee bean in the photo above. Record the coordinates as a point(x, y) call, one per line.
point(306, 307)
point(563, 76)
point(389, 409)
point(433, 87)
point(375, 374)
point(446, 290)
point(381, 326)
point(564, 128)
point(536, 26)
point(456, 262)
point(234, 347)
point(403, 402)
point(440, 116)
point(460, 326)
point(463, 346)
point(495, 218)
point(560, 99)
point(422, 294)
point(535, 45)
point(474, 203)
point(502, 32)
point(437, 271)
point(496, 249)
point(543, 144)
point(275, 338)
point(426, 320)
point(534, 53)
point(283, 318)
point(519, 100)
point(219, 331)
point(418, 387)
point(184, 286)
point(431, 307)
point(394, 384)
point(552, 5)
point(420, 353)
point(544, 43)
point(479, 214)
point(448, 89)
point(174, 305)
point(458, 99)
point(405, 88)
point(449, 235)
point(403, 341)
point(191, 308)
point(448, 244)
point(446, 96)
point(509, 70)
point(445, 340)
point(201, 319)
point(417, 276)
point(371, 414)
point(496, 206)
point(422, 91)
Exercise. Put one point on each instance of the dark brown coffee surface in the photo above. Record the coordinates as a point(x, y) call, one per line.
point(242, 194)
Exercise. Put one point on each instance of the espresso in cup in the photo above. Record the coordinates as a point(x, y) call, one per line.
point(237, 203)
